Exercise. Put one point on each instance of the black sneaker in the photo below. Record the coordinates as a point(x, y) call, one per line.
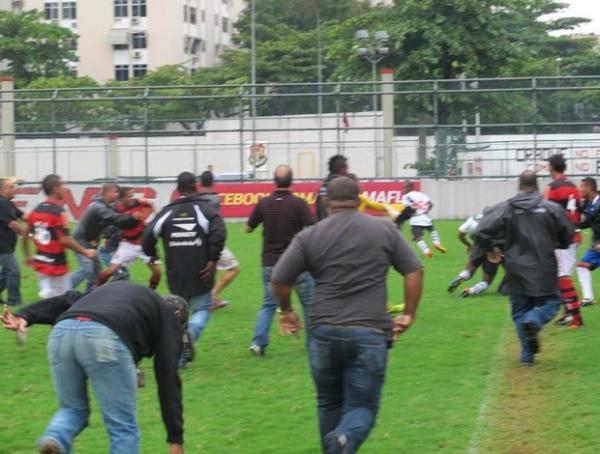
point(335, 443)
point(188, 352)
point(454, 284)
point(531, 337)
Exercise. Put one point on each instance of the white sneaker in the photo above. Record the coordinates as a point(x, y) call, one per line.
point(256, 350)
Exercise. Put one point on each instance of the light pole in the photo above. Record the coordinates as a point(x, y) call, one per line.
point(373, 48)
point(558, 113)
point(253, 73)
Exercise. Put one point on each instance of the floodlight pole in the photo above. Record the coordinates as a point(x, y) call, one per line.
point(253, 76)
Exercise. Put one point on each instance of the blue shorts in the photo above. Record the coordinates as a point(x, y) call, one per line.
point(592, 257)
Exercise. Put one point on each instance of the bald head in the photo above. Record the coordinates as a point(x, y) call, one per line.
point(343, 189)
point(528, 181)
point(283, 177)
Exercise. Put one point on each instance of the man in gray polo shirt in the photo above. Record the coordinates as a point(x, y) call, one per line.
point(348, 254)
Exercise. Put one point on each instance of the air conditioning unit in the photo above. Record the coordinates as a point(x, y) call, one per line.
point(137, 55)
point(135, 21)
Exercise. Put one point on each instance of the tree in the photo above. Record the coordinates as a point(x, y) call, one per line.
point(32, 48)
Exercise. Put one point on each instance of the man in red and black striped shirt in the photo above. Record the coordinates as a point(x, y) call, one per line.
point(130, 247)
point(49, 228)
point(564, 192)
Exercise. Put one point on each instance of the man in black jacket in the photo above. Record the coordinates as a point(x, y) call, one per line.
point(528, 229)
point(193, 235)
point(97, 218)
point(101, 336)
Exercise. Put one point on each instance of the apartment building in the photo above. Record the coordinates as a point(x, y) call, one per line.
point(123, 39)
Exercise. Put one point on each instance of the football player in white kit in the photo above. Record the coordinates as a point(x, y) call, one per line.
point(421, 221)
point(477, 258)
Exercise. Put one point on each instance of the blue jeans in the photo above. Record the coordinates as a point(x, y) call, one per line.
point(531, 309)
point(78, 350)
point(348, 367)
point(10, 278)
point(199, 308)
point(105, 255)
point(305, 289)
point(89, 270)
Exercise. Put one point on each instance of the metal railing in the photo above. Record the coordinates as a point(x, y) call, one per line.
point(442, 128)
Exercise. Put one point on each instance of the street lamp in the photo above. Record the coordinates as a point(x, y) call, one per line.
point(373, 48)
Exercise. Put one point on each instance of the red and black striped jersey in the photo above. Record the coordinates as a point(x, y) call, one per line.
point(134, 234)
point(48, 223)
point(564, 192)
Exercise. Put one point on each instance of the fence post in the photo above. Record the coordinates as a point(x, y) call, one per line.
point(53, 120)
point(241, 133)
point(535, 119)
point(337, 120)
point(436, 120)
point(387, 106)
point(7, 99)
point(146, 155)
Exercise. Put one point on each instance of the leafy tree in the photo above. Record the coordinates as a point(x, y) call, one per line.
point(32, 48)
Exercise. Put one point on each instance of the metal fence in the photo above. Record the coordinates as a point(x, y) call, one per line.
point(436, 128)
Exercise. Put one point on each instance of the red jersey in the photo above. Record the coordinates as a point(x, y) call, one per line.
point(564, 192)
point(48, 223)
point(134, 234)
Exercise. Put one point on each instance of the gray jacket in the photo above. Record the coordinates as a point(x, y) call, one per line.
point(528, 229)
point(96, 218)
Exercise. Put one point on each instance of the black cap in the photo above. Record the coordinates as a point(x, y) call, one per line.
point(186, 181)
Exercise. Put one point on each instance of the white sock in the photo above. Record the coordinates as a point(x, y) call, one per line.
point(478, 288)
point(464, 275)
point(585, 280)
point(423, 246)
point(435, 238)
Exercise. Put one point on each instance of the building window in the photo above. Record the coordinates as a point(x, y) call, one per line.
point(140, 70)
point(225, 25)
point(185, 13)
point(69, 10)
point(138, 8)
point(120, 46)
point(121, 72)
point(225, 2)
point(51, 10)
point(193, 15)
point(203, 16)
point(195, 46)
point(217, 22)
point(139, 40)
point(121, 9)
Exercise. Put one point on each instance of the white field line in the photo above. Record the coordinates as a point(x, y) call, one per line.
point(490, 393)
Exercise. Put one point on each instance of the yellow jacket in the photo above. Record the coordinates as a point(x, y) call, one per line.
point(392, 209)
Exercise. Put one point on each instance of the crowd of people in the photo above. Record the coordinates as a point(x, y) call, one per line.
point(102, 331)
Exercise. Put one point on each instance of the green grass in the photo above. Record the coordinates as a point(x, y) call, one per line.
point(451, 387)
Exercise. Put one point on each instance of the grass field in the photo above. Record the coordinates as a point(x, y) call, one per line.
point(454, 383)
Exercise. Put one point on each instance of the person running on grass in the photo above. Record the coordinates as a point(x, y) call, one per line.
point(227, 262)
point(591, 219)
point(420, 221)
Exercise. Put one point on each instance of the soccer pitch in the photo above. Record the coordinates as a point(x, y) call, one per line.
point(454, 383)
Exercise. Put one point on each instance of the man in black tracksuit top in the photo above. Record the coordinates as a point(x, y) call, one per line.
point(102, 336)
point(193, 235)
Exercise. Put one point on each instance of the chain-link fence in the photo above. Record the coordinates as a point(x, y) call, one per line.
point(438, 128)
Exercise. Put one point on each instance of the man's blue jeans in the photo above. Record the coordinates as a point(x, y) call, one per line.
point(78, 350)
point(10, 278)
point(538, 310)
point(89, 270)
point(348, 367)
point(200, 310)
point(305, 289)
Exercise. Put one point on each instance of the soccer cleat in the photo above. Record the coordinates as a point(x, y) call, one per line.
point(256, 350)
point(454, 284)
point(531, 337)
point(49, 446)
point(587, 303)
point(440, 248)
point(466, 292)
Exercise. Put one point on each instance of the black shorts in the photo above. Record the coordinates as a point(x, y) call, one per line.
point(480, 260)
point(417, 230)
